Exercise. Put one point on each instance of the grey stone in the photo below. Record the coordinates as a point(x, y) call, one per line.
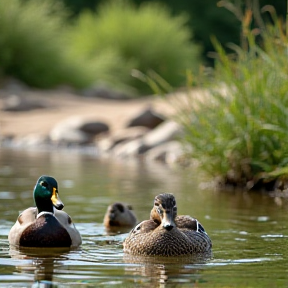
point(109, 141)
point(165, 132)
point(31, 141)
point(16, 103)
point(77, 130)
point(147, 118)
point(127, 149)
point(94, 128)
point(13, 85)
point(104, 92)
point(168, 152)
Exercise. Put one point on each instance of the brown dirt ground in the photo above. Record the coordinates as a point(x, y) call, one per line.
point(62, 105)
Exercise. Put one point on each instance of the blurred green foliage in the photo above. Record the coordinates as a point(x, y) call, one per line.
point(127, 38)
point(32, 46)
point(52, 42)
point(206, 18)
point(111, 47)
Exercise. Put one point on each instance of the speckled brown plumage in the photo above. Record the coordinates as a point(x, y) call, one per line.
point(167, 234)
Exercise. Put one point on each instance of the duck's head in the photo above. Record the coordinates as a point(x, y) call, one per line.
point(164, 211)
point(46, 194)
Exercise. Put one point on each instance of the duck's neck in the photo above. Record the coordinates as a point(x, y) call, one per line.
point(44, 206)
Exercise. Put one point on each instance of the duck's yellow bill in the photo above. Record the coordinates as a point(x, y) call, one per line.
point(58, 204)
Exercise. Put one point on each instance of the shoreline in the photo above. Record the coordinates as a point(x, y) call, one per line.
point(61, 105)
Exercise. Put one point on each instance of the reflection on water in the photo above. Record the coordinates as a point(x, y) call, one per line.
point(162, 270)
point(249, 231)
point(42, 262)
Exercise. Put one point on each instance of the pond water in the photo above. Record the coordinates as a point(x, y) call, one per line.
point(249, 230)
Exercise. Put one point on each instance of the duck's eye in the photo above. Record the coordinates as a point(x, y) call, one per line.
point(159, 211)
point(44, 184)
point(156, 204)
point(137, 228)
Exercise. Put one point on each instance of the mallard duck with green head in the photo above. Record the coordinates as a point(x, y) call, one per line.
point(43, 225)
point(166, 234)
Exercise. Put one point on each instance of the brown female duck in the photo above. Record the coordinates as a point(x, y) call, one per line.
point(167, 234)
point(119, 217)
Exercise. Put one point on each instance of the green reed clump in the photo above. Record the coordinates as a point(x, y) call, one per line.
point(33, 47)
point(239, 130)
point(122, 40)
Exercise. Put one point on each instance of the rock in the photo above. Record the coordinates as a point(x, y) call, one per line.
point(127, 149)
point(168, 152)
point(63, 136)
point(165, 132)
point(31, 141)
point(13, 85)
point(103, 92)
point(108, 142)
point(15, 103)
point(147, 118)
point(94, 128)
point(6, 140)
point(77, 130)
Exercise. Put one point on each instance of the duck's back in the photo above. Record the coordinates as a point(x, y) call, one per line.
point(45, 231)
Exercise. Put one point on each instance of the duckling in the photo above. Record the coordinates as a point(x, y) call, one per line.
point(119, 217)
point(43, 226)
point(167, 234)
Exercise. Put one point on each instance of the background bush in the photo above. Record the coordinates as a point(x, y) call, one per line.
point(206, 19)
point(33, 47)
point(127, 37)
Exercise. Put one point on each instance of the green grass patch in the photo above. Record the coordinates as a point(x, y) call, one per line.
point(239, 131)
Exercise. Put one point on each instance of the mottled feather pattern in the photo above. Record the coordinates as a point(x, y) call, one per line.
point(183, 236)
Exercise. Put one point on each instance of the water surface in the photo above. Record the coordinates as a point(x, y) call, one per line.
point(248, 230)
